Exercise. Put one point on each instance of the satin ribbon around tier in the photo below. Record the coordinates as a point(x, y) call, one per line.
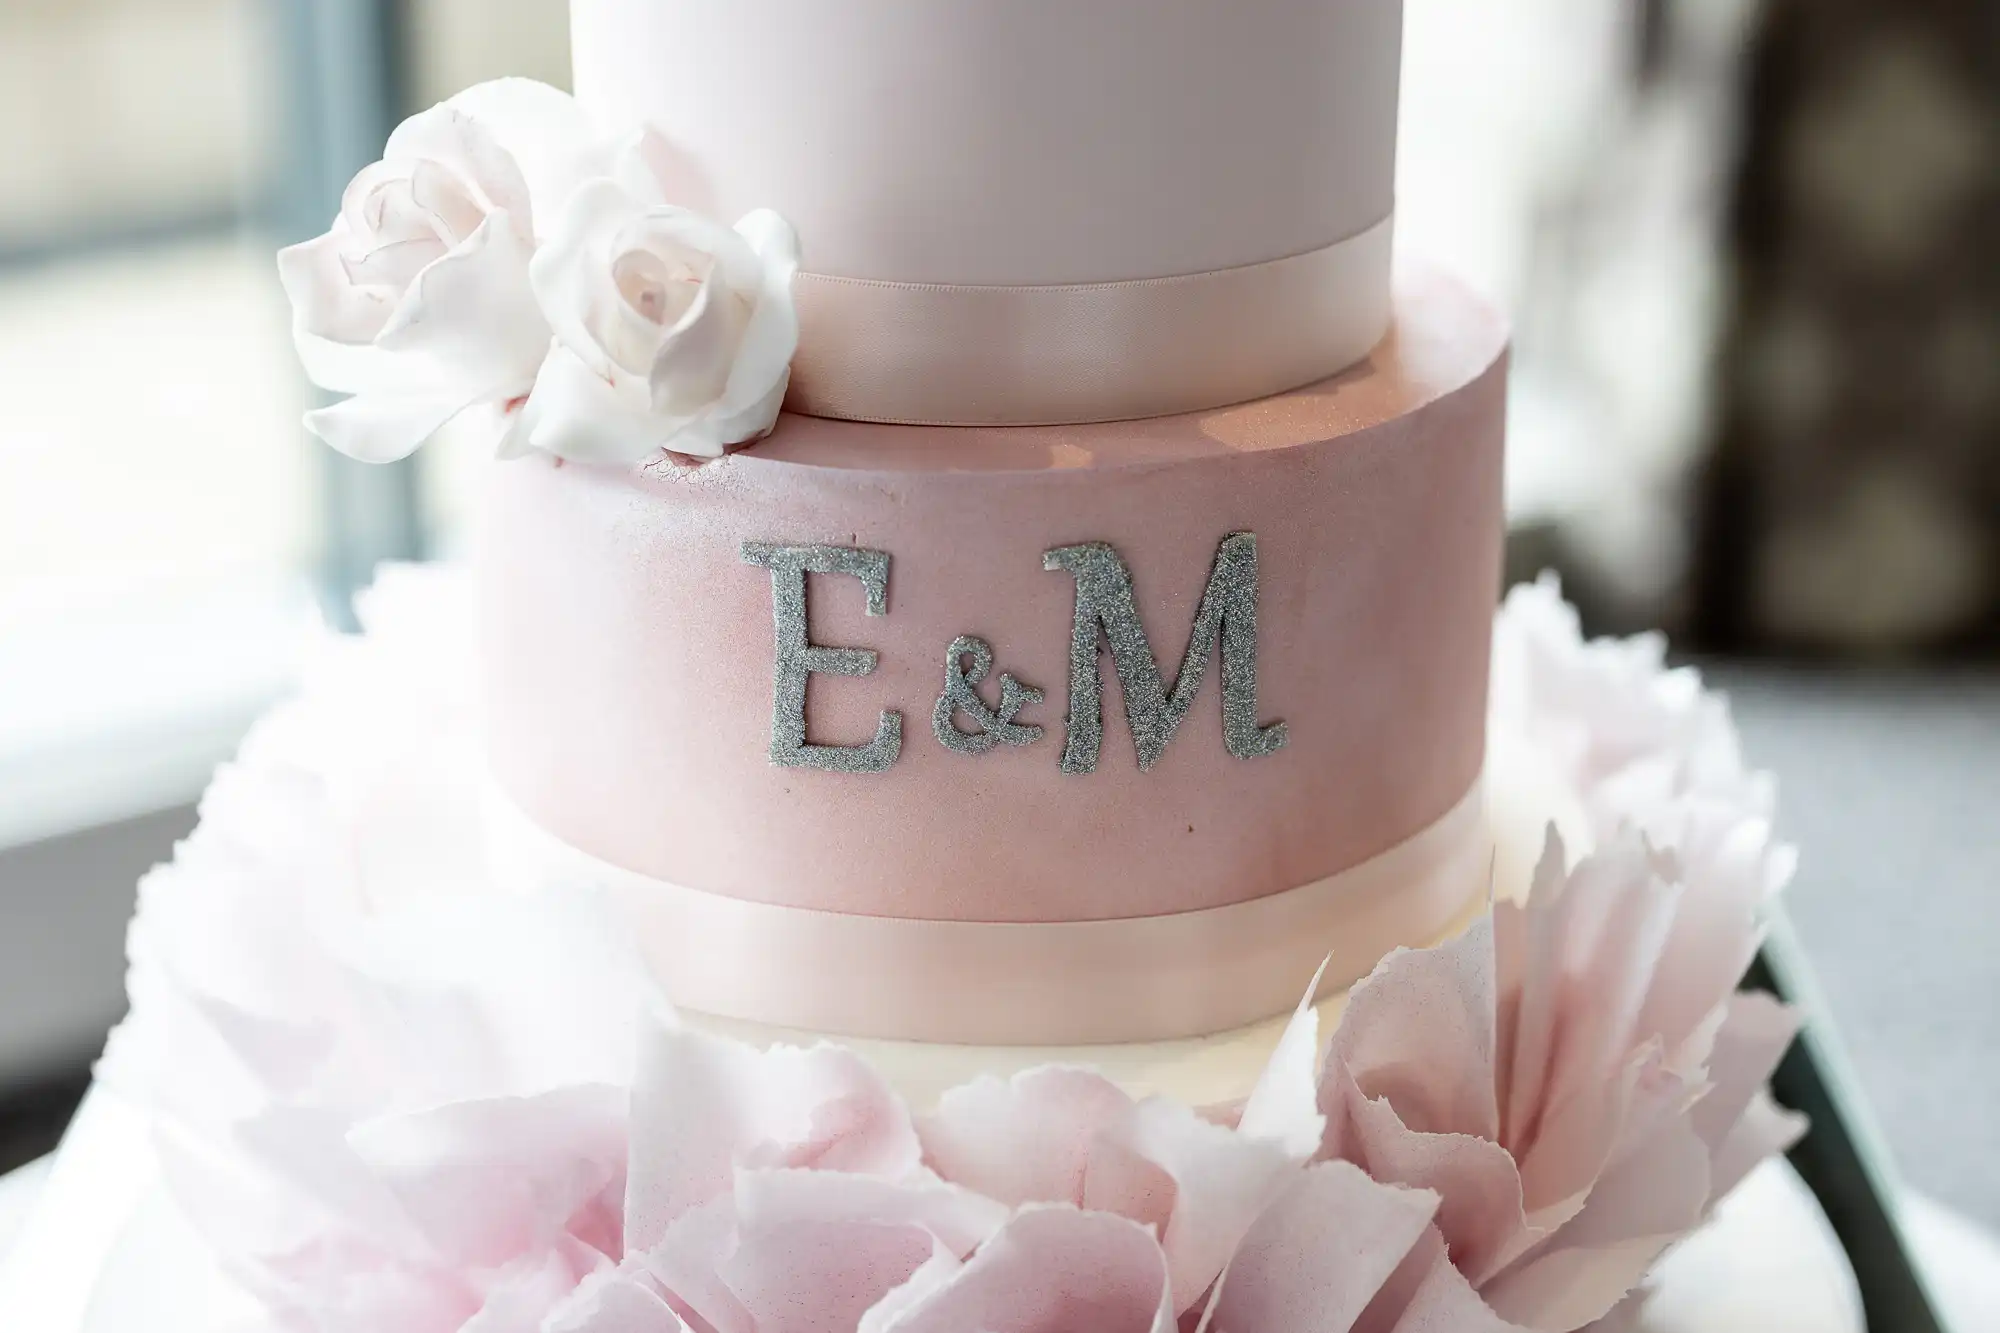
point(1050, 983)
point(941, 355)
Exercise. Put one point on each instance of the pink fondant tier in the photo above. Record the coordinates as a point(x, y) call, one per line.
point(631, 650)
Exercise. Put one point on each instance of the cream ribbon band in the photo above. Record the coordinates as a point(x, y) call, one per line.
point(1056, 983)
point(928, 354)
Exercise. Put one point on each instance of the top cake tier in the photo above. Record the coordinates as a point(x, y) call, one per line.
point(1035, 211)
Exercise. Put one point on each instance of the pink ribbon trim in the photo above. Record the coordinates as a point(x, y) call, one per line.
point(934, 355)
point(1056, 983)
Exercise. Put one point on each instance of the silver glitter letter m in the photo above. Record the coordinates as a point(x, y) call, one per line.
point(1228, 610)
point(798, 657)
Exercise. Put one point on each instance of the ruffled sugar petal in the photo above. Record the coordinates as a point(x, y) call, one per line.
point(1050, 1270)
point(382, 430)
point(692, 364)
point(449, 134)
point(393, 267)
point(455, 205)
point(571, 271)
point(1316, 1259)
point(574, 413)
point(702, 1107)
point(552, 141)
point(711, 435)
point(772, 337)
point(324, 301)
point(472, 315)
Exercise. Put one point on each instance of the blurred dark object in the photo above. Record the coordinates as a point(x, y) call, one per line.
point(1842, 1158)
point(33, 1117)
point(1852, 502)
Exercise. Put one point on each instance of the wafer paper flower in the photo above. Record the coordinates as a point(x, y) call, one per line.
point(417, 300)
point(1594, 736)
point(1575, 1079)
point(671, 331)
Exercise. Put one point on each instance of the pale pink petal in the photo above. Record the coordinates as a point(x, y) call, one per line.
point(1024, 1140)
point(687, 1262)
point(1438, 1300)
point(1480, 1209)
point(1050, 1270)
point(1283, 1106)
point(1755, 1032)
point(931, 1277)
point(528, 1295)
point(1223, 1181)
point(1726, 869)
point(1525, 952)
point(703, 1107)
point(489, 1180)
point(1764, 1130)
point(613, 1302)
point(1317, 1257)
point(1419, 1031)
point(1643, 1204)
point(1612, 923)
point(813, 1249)
point(808, 1277)
point(957, 1218)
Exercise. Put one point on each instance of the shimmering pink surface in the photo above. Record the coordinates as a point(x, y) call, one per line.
point(629, 649)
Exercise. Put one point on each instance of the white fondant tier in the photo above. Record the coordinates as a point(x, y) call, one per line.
point(942, 151)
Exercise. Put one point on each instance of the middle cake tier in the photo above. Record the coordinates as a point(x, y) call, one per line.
point(1093, 733)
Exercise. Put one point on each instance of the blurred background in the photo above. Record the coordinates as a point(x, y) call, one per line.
point(1752, 251)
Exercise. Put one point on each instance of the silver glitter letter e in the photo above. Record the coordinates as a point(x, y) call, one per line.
point(1228, 609)
point(798, 658)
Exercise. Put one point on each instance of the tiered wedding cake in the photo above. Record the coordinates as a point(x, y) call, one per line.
point(1073, 706)
point(1142, 660)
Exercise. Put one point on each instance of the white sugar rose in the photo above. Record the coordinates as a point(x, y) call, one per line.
point(672, 331)
point(417, 300)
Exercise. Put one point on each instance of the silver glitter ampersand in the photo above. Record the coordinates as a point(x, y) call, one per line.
point(996, 726)
point(1104, 600)
point(798, 657)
